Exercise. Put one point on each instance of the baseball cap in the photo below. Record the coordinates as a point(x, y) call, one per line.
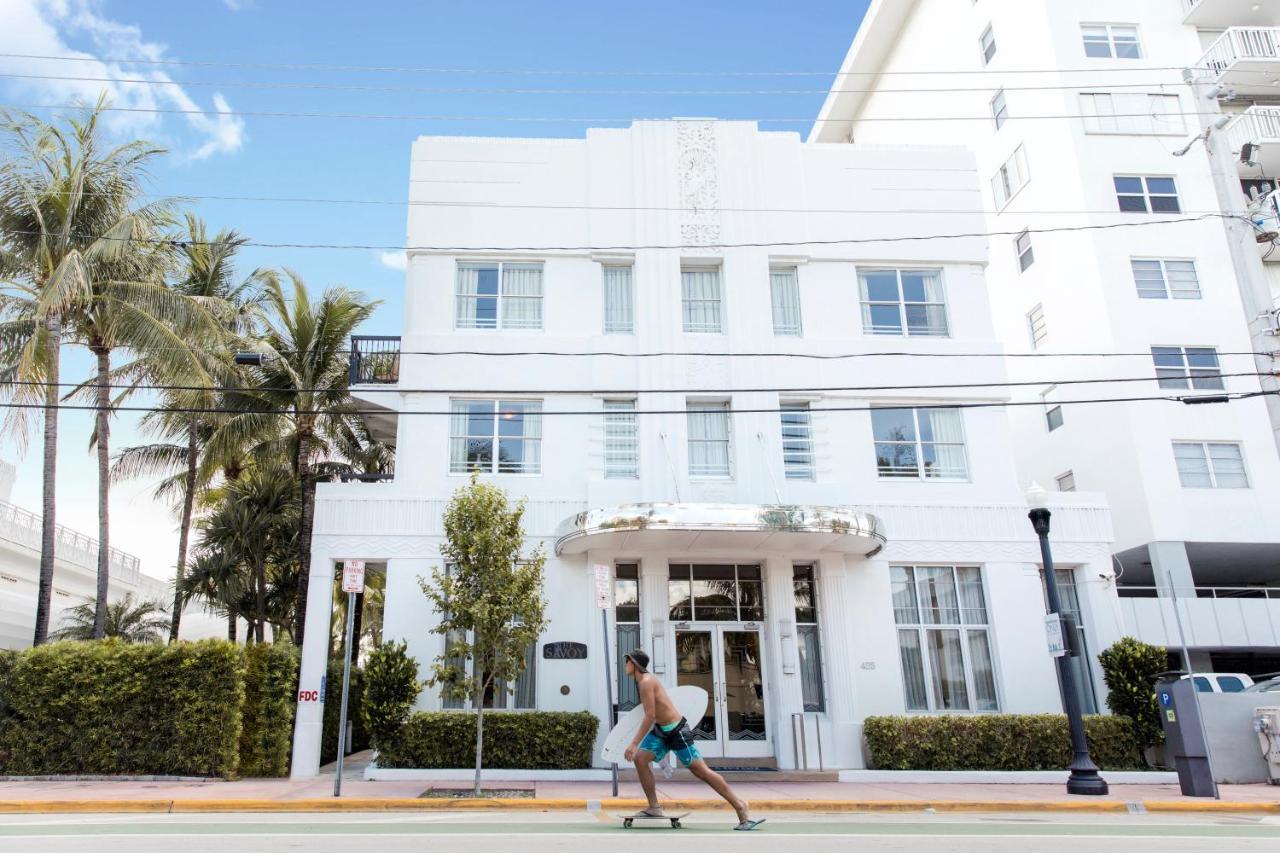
point(639, 658)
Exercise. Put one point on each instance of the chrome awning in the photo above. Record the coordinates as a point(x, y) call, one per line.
point(680, 527)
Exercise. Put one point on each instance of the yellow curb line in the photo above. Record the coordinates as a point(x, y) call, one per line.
point(1216, 806)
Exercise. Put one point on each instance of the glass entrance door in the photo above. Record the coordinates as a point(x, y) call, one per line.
point(725, 660)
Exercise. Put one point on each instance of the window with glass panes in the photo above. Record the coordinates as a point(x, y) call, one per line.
point(621, 440)
point(784, 298)
point(797, 441)
point(1053, 417)
point(1210, 465)
point(1011, 177)
point(944, 641)
point(1111, 41)
point(704, 592)
point(922, 443)
point(709, 443)
point(903, 302)
point(1146, 194)
point(1069, 601)
point(1022, 245)
point(500, 695)
point(1037, 328)
point(807, 641)
point(495, 436)
point(701, 300)
point(1165, 279)
point(988, 43)
point(1187, 367)
point(1066, 482)
point(999, 109)
point(498, 296)
point(619, 308)
point(626, 616)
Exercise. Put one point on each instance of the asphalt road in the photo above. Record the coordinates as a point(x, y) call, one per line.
point(539, 833)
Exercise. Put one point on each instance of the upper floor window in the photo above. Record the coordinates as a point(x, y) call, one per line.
point(1022, 245)
point(705, 592)
point(1037, 329)
point(1053, 417)
point(920, 443)
point(999, 109)
point(709, 454)
point(499, 296)
point(1187, 367)
point(621, 440)
point(1165, 279)
point(988, 42)
point(784, 294)
point(701, 300)
point(797, 441)
point(1137, 113)
point(1011, 177)
point(1210, 465)
point(903, 302)
point(1146, 194)
point(495, 436)
point(1066, 482)
point(619, 310)
point(1111, 41)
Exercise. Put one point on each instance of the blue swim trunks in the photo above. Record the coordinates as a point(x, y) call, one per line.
point(673, 737)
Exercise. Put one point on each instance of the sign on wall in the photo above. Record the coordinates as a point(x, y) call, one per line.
point(565, 650)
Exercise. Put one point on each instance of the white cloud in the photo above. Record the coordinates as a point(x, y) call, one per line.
point(394, 260)
point(111, 50)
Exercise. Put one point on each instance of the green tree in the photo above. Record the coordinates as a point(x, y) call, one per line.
point(489, 599)
point(221, 582)
point(127, 620)
point(390, 687)
point(1129, 668)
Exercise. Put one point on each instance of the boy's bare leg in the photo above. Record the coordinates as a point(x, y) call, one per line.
point(644, 770)
point(700, 769)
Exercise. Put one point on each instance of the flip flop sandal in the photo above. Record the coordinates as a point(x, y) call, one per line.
point(748, 825)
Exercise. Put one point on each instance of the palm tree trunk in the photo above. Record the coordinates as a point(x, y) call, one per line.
point(231, 627)
point(104, 491)
point(188, 502)
point(306, 521)
point(48, 521)
point(260, 583)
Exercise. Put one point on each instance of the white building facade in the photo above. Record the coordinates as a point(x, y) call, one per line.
point(1078, 114)
point(811, 532)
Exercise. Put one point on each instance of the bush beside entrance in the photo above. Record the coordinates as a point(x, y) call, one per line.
point(995, 742)
point(533, 740)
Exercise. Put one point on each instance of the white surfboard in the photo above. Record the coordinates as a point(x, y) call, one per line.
point(690, 701)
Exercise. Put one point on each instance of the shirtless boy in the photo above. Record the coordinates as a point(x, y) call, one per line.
point(663, 731)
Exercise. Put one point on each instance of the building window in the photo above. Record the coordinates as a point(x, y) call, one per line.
point(1111, 41)
point(1210, 465)
point(495, 436)
point(1188, 367)
point(999, 109)
point(988, 42)
point(1133, 113)
point(708, 439)
point(715, 593)
point(523, 695)
point(797, 441)
point(621, 440)
point(920, 443)
point(626, 619)
point(1144, 194)
point(1163, 279)
point(784, 294)
point(1053, 417)
point(1022, 245)
point(700, 297)
point(499, 296)
point(619, 311)
point(1011, 177)
point(1066, 482)
point(943, 638)
point(898, 302)
point(1037, 329)
point(1073, 614)
point(807, 641)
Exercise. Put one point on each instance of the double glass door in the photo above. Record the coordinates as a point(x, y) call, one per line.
point(725, 661)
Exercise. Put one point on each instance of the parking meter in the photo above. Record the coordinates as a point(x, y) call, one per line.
point(1184, 734)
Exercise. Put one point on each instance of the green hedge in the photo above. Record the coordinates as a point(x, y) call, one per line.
point(333, 707)
point(270, 697)
point(117, 709)
point(995, 742)
point(534, 740)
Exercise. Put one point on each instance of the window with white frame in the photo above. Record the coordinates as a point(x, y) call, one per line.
point(1037, 329)
point(1210, 465)
point(797, 441)
point(495, 436)
point(621, 440)
point(499, 695)
point(619, 305)
point(784, 296)
point(1111, 41)
point(1066, 482)
point(805, 588)
point(701, 299)
point(1132, 113)
point(1053, 417)
point(1146, 194)
point(919, 443)
point(988, 42)
point(903, 302)
point(498, 296)
point(1188, 367)
point(1165, 279)
point(626, 616)
point(1022, 246)
point(999, 109)
point(944, 641)
point(1010, 178)
point(709, 443)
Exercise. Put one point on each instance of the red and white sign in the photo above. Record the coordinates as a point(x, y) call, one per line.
point(353, 576)
point(603, 577)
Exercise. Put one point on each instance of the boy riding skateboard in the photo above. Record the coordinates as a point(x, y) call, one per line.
point(663, 731)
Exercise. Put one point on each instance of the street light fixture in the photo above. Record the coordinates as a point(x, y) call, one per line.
point(1084, 777)
point(250, 359)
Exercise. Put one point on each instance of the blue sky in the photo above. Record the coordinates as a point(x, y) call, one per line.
point(368, 159)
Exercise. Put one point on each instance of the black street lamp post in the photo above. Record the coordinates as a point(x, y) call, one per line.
point(1084, 777)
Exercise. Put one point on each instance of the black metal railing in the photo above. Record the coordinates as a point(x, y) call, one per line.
point(351, 477)
point(375, 359)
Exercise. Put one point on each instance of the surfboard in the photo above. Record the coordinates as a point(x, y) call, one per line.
point(690, 701)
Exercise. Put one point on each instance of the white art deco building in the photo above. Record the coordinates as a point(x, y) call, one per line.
point(811, 532)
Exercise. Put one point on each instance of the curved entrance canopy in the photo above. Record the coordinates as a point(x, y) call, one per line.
point(705, 526)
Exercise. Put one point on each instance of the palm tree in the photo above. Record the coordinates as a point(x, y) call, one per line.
point(67, 205)
point(217, 579)
point(143, 622)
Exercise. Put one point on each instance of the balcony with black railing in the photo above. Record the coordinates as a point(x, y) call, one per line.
point(375, 359)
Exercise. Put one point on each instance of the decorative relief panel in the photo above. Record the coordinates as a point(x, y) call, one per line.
point(699, 183)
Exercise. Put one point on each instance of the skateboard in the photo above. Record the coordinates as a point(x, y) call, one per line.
point(644, 818)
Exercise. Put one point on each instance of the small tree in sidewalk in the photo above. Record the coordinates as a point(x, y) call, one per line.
point(1130, 668)
point(489, 598)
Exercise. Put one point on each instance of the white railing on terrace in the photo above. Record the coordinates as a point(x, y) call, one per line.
point(23, 527)
point(1256, 124)
point(1241, 43)
point(1212, 616)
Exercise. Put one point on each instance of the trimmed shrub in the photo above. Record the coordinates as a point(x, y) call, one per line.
point(333, 709)
point(113, 708)
point(533, 740)
point(1129, 668)
point(390, 687)
point(270, 697)
point(995, 742)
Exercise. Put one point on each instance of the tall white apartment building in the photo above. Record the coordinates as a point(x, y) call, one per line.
point(1079, 115)
point(811, 532)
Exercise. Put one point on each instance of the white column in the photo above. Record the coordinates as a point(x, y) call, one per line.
point(1170, 564)
point(782, 665)
point(309, 719)
point(654, 607)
